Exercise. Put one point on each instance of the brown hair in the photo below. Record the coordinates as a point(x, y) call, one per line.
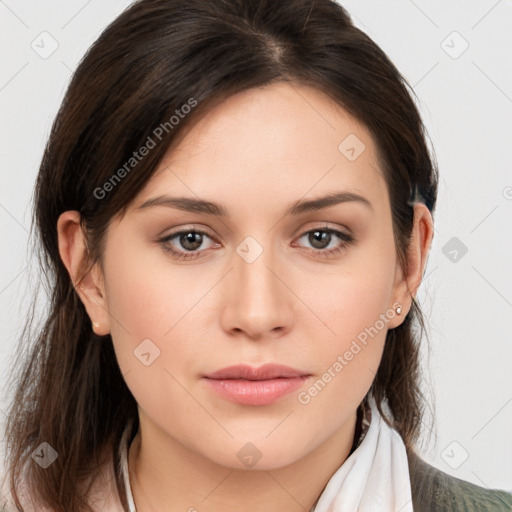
point(153, 59)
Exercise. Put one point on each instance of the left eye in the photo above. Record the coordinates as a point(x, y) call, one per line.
point(192, 239)
point(316, 237)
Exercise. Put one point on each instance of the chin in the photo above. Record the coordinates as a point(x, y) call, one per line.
point(255, 456)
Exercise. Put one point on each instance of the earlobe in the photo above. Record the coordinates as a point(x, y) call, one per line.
point(73, 252)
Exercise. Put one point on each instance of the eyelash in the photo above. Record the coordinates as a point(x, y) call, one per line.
point(178, 255)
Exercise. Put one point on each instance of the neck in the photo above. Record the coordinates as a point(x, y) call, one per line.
point(177, 478)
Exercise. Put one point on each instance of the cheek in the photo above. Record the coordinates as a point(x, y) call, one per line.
point(149, 299)
point(137, 302)
point(150, 332)
point(137, 299)
point(354, 306)
point(346, 362)
point(358, 294)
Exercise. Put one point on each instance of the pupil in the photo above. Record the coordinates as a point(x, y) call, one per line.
point(317, 237)
point(192, 238)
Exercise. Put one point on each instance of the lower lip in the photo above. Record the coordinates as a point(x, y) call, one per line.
point(255, 392)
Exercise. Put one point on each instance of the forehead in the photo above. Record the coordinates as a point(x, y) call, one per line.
point(274, 144)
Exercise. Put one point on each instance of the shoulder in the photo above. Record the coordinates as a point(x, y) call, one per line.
point(6, 499)
point(102, 496)
point(7, 503)
point(435, 491)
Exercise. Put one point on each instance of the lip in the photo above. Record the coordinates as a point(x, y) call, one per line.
point(246, 385)
point(265, 372)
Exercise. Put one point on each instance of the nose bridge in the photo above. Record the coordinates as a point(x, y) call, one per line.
point(254, 260)
point(257, 296)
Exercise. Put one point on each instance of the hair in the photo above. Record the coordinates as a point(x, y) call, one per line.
point(155, 58)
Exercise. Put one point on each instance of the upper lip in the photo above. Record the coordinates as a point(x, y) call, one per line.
point(267, 371)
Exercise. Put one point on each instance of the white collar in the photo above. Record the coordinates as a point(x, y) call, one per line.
point(125, 447)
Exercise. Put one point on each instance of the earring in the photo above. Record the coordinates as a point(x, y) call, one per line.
point(96, 325)
point(398, 310)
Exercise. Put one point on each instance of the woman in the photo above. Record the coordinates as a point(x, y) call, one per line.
point(235, 208)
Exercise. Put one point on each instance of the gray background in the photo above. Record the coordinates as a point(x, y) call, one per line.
point(465, 96)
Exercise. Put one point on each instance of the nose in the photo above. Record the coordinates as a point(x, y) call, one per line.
point(258, 301)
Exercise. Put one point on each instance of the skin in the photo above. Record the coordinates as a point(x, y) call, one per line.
point(256, 154)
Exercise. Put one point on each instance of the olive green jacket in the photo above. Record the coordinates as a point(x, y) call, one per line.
point(435, 491)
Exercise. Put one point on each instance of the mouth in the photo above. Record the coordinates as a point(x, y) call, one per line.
point(246, 385)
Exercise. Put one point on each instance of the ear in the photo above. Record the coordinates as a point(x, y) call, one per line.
point(90, 288)
point(406, 286)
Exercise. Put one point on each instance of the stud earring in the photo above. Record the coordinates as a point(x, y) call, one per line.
point(398, 310)
point(96, 325)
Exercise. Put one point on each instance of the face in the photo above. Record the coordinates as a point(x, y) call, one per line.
point(189, 293)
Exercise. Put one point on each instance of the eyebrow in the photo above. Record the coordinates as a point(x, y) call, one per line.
point(189, 204)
